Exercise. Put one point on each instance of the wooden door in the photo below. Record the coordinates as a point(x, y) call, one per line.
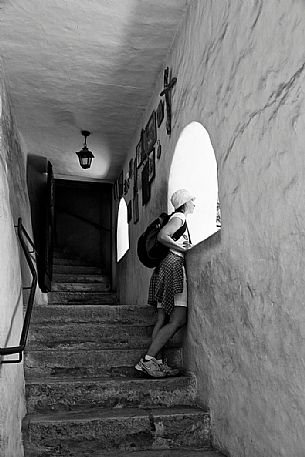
point(46, 264)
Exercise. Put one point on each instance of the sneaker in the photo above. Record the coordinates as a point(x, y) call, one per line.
point(150, 367)
point(138, 366)
point(169, 371)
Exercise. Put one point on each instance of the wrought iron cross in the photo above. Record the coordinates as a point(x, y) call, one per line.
point(168, 85)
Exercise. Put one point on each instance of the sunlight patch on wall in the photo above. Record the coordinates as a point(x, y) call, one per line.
point(122, 230)
point(194, 167)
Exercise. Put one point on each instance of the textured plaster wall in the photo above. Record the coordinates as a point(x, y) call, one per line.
point(240, 69)
point(13, 272)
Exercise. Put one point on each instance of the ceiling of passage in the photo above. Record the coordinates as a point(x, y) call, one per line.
point(75, 65)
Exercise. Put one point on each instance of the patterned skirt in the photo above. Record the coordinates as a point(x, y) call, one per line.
point(166, 281)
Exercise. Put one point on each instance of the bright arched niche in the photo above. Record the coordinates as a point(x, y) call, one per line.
point(194, 167)
point(122, 230)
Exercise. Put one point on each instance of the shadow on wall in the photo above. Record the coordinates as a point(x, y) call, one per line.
point(37, 176)
point(11, 325)
point(194, 167)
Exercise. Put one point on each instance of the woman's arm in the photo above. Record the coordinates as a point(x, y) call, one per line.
point(166, 233)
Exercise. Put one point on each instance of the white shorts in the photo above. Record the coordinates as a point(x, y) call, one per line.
point(180, 299)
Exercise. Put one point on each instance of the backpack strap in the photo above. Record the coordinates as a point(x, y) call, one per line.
point(181, 230)
point(188, 232)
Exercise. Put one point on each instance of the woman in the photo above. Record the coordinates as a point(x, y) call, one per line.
point(168, 285)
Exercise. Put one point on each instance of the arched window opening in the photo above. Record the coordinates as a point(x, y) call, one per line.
point(194, 167)
point(122, 230)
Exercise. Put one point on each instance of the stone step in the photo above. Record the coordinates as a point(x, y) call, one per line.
point(111, 314)
point(81, 287)
point(99, 298)
point(82, 363)
point(182, 452)
point(58, 394)
point(72, 261)
point(76, 269)
point(83, 278)
point(93, 336)
point(59, 253)
point(80, 433)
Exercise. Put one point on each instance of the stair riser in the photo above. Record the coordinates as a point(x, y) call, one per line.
point(113, 314)
point(132, 433)
point(86, 336)
point(82, 298)
point(60, 254)
point(104, 363)
point(76, 269)
point(81, 287)
point(60, 278)
point(44, 397)
point(69, 262)
point(190, 452)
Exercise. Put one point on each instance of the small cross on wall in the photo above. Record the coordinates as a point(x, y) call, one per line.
point(168, 86)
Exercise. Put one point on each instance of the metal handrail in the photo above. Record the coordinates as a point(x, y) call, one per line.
point(27, 318)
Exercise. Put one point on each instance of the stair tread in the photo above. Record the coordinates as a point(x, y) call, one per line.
point(181, 452)
point(83, 297)
point(96, 307)
point(81, 343)
point(115, 350)
point(59, 277)
point(78, 283)
point(31, 380)
point(100, 325)
point(60, 307)
point(81, 264)
point(113, 413)
point(82, 292)
point(80, 296)
point(71, 312)
point(77, 262)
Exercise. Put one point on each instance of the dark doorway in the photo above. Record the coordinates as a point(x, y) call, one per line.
point(83, 221)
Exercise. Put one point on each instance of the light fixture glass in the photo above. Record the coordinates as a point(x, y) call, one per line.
point(84, 155)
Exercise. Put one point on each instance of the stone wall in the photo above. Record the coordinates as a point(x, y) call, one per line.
point(13, 275)
point(240, 69)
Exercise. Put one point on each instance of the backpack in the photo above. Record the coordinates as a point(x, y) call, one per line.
point(150, 250)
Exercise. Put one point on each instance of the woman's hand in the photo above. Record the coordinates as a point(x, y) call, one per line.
point(186, 246)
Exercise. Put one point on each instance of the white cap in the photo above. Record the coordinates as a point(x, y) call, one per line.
point(180, 197)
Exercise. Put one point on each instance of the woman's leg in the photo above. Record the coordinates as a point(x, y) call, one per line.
point(160, 321)
point(158, 325)
point(177, 320)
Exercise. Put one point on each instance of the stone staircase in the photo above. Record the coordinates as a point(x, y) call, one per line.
point(84, 397)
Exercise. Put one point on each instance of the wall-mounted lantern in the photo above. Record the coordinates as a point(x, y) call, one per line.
point(84, 155)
